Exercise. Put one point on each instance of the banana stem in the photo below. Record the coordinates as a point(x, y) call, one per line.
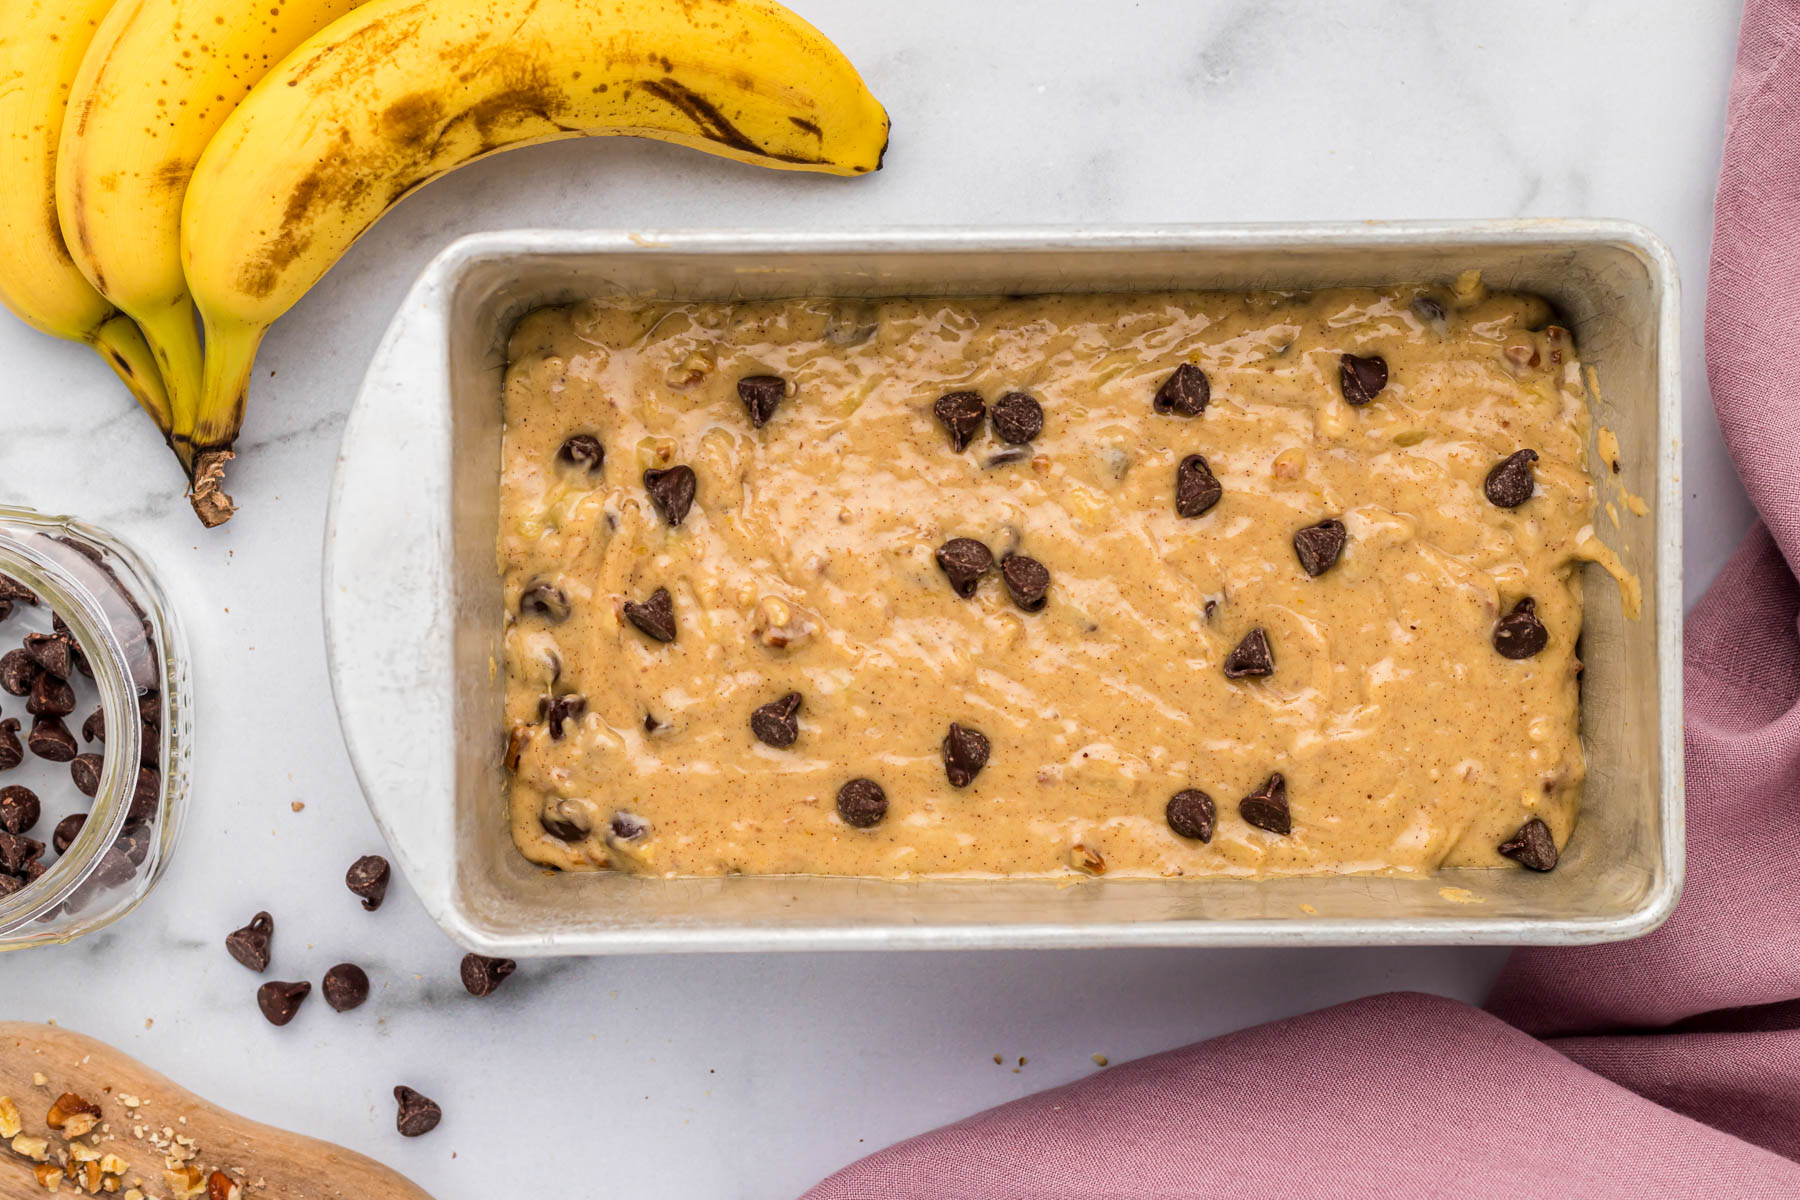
point(121, 343)
point(230, 356)
point(173, 333)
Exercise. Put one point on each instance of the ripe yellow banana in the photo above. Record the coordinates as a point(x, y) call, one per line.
point(41, 44)
point(401, 91)
point(158, 80)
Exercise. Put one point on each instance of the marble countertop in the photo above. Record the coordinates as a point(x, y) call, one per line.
point(755, 1075)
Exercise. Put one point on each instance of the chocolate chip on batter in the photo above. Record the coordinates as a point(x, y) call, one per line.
point(862, 803)
point(964, 561)
point(66, 831)
point(18, 852)
point(655, 616)
point(1519, 634)
point(50, 697)
point(1190, 814)
point(777, 723)
point(1251, 656)
point(1027, 579)
point(345, 987)
point(965, 753)
point(481, 975)
point(1267, 807)
point(546, 600)
point(417, 1115)
point(18, 672)
point(1361, 378)
point(11, 752)
point(565, 820)
point(553, 711)
point(1532, 846)
point(250, 945)
point(84, 769)
point(1018, 418)
point(1196, 488)
point(583, 452)
point(761, 395)
point(627, 827)
point(1318, 546)
point(1184, 393)
point(1426, 308)
point(19, 809)
point(960, 413)
point(1001, 458)
point(279, 1001)
point(368, 877)
point(672, 491)
point(51, 740)
point(50, 652)
point(1512, 480)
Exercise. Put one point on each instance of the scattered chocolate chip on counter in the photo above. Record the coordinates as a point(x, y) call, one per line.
point(862, 804)
point(368, 877)
point(965, 753)
point(416, 1115)
point(1251, 656)
point(84, 771)
point(1267, 807)
point(250, 945)
point(19, 809)
point(777, 723)
point(51, 740)
point(50, 697)
point(18, 672)
point(1361, 378)
point(672, 491)
point(961, 414)
point(482, 976)
point(1533, 846)
point(1190, 814)
point(345, 987)
point(1027, 579)
point(1519, 634)
point(1185, 393)
point(964, 561)
point(1512, 480)
point(1196, 488)
point(1318, 547)
point(66, 831)
point(280, 1000)
point(12, 753)
point(761, 395)
point(1017, 418)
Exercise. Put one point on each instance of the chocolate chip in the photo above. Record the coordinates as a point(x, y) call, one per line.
point(862, 803)
point(565, 820)
point(1027, 579)
point(1361, 378)
point(761, 395)
point(84, 769)
point(345, 987)
point(66, 831)
point(777, 723)
point(481, 975)
point(627, 827)
point(1512, 480)
point(49, 652)
point(250, 945)
point(12, 589)
point(1426, 308)
point(50, 739)
point(672, 491)
point(417, 1115)
point(655, 616)
point(279, 1001)
point(368, 878)
point(18, 852)
point(11, 752)
point(553, 711)
point(960, 413)
point(965, 753)
point(1017, 418)
point(113, 869)
point(18, 672)
point(1251, 656)
point(10, 884)
point(150, 707)
point(1190, 814)
point(50, 697)
point(94, 726)
point(146, 797)
point(1196, 488)
point(544, 600)
point(149, 745)
point(583, 452)
point(1184, 393)
point(19, 809)
point(134, 845)
point(1318, 546)
point(1267, 807)
point(964, 561)
point(1519, 634)
point(1532, 846)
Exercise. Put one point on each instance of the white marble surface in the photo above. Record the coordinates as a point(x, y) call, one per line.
point(752, 1076)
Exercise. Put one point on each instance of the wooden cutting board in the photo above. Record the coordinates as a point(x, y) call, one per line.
point(155, 1127)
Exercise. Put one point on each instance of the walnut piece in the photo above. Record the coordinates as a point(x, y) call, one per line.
point(49, 1176)
point(72, 1116)
point(185, 1183)
point(220, 1186)
point(10, 1125)
point(31, 1147)
point(1086, 860)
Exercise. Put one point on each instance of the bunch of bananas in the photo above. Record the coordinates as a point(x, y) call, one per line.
point(175, 174)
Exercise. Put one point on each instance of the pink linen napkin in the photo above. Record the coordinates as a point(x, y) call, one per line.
point(1667, 1066)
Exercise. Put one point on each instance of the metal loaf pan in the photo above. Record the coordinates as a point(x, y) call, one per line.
point(414, 616)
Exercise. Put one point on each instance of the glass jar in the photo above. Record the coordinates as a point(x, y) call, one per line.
point(116, 725)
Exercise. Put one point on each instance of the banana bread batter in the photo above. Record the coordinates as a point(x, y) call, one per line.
point(1142, 585)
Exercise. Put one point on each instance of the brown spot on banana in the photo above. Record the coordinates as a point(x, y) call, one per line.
point(708, 120)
